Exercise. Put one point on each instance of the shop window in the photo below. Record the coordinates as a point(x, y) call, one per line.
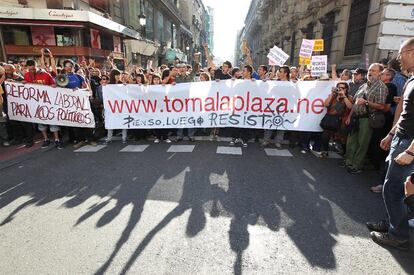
point(356, 27)
point(17, 35)
point(107, 42)
point(65, 37)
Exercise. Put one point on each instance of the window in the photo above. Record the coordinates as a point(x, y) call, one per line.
point(327, 32)
point(356, 27)
point(99, 4)
point(160, 27)
point(16, 35)
point(65, 37)
point(168, 33)
point(149, 27)
point(54, 4)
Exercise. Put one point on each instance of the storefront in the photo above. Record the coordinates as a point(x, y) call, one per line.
point(74, 34)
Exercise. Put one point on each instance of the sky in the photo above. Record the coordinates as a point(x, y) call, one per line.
point(229, 18)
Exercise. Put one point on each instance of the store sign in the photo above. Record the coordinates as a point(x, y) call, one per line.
point(66, 15)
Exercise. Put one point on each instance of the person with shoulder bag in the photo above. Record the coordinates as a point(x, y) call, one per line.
point(338, 105)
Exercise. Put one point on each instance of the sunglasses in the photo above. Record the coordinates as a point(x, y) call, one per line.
point(106, 79)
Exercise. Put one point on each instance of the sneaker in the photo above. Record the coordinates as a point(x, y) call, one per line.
point(179, 139)
point(79, 144)
point(107, 141)
point(124, 141)
point(232, 142)
point(58, 144)
point(264, 143)
point(156, 140)
point(304, 151)
point(244, 144)
point(46, 143)
point(5, 143)
point(377, 189)
point(323, 155)
point(354, 171)
point(278, 145)
point(386, 239)
point(211, 138)
point(380, 226)
point(168, 140)
point(93, 143)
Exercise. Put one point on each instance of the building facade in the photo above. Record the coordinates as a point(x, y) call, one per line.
point(355, 32)
point(83, 29)
point(70, 29)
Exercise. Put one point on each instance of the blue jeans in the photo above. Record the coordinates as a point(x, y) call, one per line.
point(393, 191)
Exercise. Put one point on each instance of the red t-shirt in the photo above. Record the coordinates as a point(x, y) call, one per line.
point(41, 77)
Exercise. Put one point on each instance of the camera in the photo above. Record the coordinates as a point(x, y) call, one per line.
point(412, 178)
point(46, 51)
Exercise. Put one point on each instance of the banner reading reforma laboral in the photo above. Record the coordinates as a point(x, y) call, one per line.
point(231, 103)
point(47, 105)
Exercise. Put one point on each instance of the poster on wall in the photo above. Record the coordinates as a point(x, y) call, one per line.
point(95, 39)
point(43, 36)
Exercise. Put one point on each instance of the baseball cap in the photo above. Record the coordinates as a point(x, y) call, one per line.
point(359, 71)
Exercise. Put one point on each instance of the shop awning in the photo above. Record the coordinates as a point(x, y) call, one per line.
point(66, 16)
point(143, 47)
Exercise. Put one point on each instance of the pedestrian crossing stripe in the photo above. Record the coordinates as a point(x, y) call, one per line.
point(223, 150)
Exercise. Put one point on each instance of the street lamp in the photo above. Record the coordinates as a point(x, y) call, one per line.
point(142, 19)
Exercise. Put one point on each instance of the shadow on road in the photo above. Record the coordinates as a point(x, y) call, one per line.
point(296, 195)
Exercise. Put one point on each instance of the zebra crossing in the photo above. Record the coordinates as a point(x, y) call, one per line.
point(221, 150)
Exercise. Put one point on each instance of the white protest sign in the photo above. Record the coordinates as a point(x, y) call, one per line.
point(306, 48)
point(319, 65)
point(47, 105)
point(277, 56)
point(231, 103)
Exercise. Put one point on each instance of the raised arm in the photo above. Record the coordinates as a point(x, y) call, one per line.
point(210, 62)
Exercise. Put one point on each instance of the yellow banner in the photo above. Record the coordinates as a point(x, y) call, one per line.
point(304, 61)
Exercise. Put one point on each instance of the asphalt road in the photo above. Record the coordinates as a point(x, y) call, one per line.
point(198, 212)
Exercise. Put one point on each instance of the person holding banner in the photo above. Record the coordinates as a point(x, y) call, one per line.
point(4, 137)
point(35, 75)
point(76, 81)
point(283, 75)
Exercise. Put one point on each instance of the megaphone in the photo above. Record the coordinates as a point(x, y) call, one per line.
point(62, 80)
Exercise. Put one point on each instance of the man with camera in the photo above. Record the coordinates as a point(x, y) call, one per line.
point(400, 142)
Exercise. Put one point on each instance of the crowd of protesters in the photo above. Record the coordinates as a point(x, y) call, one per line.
point(362, 109)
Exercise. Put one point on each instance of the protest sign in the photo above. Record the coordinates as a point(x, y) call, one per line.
point(277, 56)
point(231, 103)
point(47, 105)
point(305, 52)
point(318, 45)
point(319, 65)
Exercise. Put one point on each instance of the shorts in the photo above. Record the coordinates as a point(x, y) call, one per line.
point(43, 127)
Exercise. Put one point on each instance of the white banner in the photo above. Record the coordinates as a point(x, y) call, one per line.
point(319, 65)
point(47, 105)
point(231, 103)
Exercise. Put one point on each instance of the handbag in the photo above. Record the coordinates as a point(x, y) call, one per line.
point(330, 122)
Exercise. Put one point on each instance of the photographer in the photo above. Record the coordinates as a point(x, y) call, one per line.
point(338, 105)
point(52, 69)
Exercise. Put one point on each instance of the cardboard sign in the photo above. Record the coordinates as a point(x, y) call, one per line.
point(318, 45)
point(277, 56)
point(306, 48)
point(304, 60)
point(319, 65)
